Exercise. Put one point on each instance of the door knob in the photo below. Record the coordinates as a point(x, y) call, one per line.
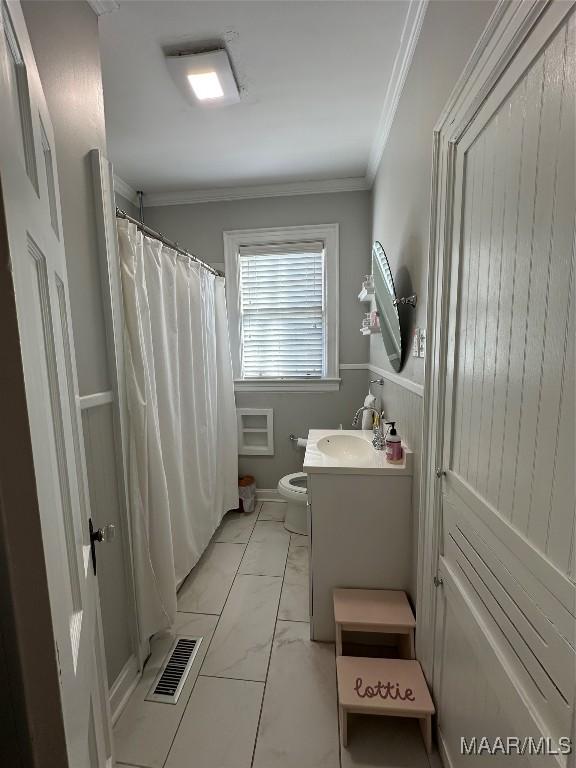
point(106, 534)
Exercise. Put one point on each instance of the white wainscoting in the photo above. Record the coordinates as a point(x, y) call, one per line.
point(514, 389)
point(113, 559)
point(99, 398)
point(404, 405)
point(499, 528)
point(469, 692)
point(396, 378)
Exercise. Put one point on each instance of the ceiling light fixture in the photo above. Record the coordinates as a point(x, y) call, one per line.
point(206, 85)
point(205, 78)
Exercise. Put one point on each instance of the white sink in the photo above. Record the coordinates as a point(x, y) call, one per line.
point(346, 448)
point(350, 452)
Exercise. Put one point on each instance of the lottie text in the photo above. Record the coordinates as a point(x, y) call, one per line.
point(387, 690)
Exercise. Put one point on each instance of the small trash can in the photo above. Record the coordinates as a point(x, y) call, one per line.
point(247, 493)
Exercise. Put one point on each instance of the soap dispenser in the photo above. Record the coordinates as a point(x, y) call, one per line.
point(394, 451)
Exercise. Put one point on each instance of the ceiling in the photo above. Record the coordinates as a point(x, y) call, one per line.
point(313, 77)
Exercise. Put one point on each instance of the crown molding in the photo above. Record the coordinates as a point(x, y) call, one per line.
point(124, 189)
point(402, 62)
point(100, 7)
point(222, 194)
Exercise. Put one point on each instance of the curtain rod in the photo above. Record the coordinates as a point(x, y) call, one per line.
point(159, 236)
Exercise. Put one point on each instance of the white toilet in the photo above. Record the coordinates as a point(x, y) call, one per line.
point(294, 489)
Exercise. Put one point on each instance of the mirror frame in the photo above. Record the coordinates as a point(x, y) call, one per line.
point(393, 342)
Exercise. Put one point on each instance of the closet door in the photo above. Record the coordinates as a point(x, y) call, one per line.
point(505, 624)
point(29, 183)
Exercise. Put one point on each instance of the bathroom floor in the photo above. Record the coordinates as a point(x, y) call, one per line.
point(260, 694)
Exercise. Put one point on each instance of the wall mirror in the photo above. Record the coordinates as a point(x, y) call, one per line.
point(387, 303)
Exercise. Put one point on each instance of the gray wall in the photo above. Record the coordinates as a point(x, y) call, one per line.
point(401, 194)
point(297, 413)
point(128, 206)
point(105, 501)
point(199, 228)
point(65, 42)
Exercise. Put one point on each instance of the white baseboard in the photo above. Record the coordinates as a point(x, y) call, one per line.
point(144, 651)
point(443, 758)
point(123, 686)
point(268, 494)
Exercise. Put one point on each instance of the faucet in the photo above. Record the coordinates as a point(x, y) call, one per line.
point(379, 438)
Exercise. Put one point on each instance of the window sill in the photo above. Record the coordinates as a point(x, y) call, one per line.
point(287, 385)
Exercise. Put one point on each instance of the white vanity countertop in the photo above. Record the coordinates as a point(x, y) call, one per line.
point(372, 462)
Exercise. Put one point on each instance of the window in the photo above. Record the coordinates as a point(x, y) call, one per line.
point(282, 310)
point(282, 292)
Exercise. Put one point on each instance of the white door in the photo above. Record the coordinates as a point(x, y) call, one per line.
point(505, 629)
point(29, 185)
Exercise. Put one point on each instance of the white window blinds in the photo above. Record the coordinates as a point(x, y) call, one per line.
point(282, 310)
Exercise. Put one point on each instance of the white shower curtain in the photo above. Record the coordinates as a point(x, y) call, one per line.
point(183, 458)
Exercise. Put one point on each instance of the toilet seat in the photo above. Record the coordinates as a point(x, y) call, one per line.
point(294, 485)
point(294, 489)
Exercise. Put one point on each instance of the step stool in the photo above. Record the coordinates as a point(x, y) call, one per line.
point(386, 611)
point(367, 686)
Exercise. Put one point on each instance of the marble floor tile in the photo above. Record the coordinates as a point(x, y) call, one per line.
point(294, 601)
point(299, 722)
point(145, 730)
point(125, 765)
point(266, 552)
point(206, 588)
point(298, 540)
point(273, 510)
point(241, 644)
point(186, 623)
point(219, 725)
point(383, 742)
point(236, 527)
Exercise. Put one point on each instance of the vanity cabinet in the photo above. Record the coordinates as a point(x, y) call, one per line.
point(360, 526)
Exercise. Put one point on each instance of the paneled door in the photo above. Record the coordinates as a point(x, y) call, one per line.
point(29, 184)
point(506, 618)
